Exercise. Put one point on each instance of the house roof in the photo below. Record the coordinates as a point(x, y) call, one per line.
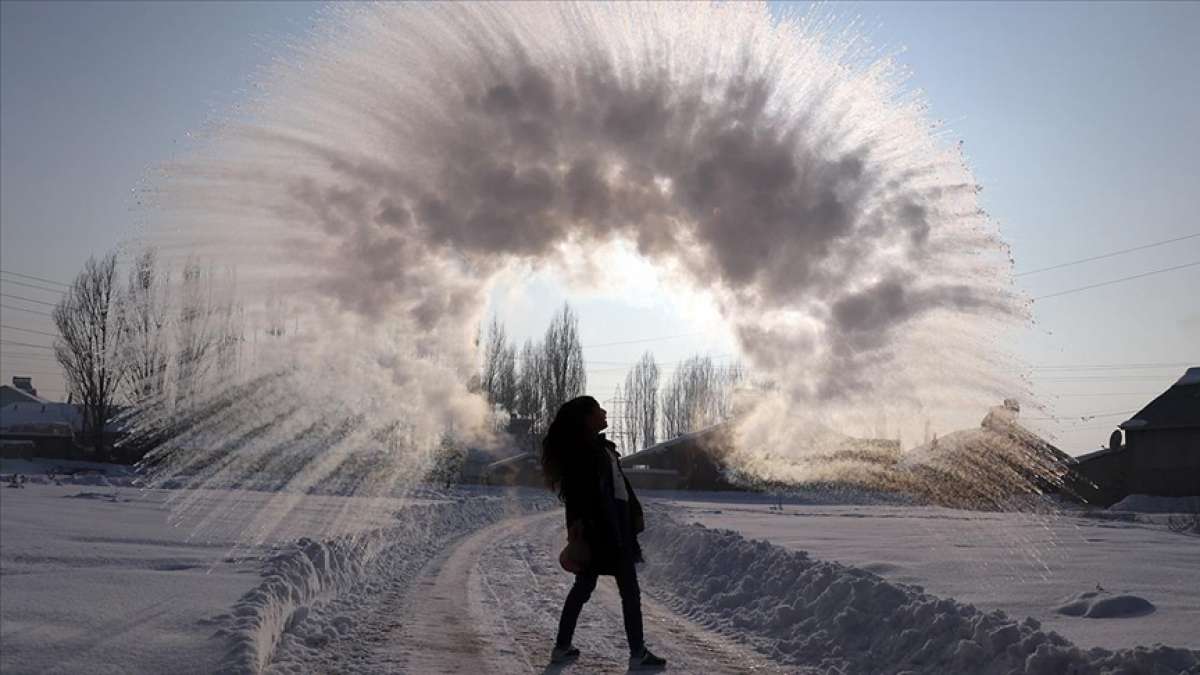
point(1175, 408)
point(28, 415)
point(703, 435)
point(1095, 454)
point(514, 461)
point(12, 393)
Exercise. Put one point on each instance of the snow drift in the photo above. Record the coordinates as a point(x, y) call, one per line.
point(805, 612)
point(307, 574)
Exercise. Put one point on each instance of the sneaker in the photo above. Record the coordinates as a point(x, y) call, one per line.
point(646, 661)
point(563, 654)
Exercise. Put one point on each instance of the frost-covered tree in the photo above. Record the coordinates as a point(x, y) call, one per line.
point(230, 318)
point(145, 319)
point(196, 331)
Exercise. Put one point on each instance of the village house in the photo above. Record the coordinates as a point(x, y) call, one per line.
point(692, 461)
point(20, 391)
point(33, 426)
point(1155, 452)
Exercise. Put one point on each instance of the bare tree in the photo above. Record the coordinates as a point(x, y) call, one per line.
point(145, 319)
point(230, 319)
point(89, 343)
point(729, 379)
point(196, 331)
point(563, 376)
point(528, 403)
point(641, 405)
point(699, 395)
point(497, 379)
point(231, 336)
point(686, 397)
point(506, 379)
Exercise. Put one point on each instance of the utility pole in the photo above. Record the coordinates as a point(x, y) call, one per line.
point(621, 433)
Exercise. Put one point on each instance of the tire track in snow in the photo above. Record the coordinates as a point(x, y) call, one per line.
point(442, 631)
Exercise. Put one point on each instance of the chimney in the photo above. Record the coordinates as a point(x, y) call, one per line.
point(25, 384)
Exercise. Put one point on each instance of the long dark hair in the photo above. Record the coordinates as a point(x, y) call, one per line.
point(566, 432)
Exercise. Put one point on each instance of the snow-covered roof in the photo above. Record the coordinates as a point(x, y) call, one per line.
point(1102, 452)
point(39, 413)
point(1192, 376)
point(639, 470)
point(682, 438)
point(524, 457)
point(1177, 407)
point(14, 394)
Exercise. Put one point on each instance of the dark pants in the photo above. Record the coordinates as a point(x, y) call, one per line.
point(627, 584)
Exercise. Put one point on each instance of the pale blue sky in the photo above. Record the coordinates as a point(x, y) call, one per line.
point(1082, 122)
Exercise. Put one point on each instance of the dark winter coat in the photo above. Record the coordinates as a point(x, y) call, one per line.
point(588, 493)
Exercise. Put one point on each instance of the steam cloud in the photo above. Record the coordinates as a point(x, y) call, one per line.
point(401, 160)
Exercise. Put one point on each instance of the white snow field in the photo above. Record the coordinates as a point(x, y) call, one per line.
point(95, 579)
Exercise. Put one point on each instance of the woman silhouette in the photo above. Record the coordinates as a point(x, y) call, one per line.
point(581, 466)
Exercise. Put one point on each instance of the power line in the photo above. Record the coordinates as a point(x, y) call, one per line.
point(26, 371)
point(22, 309)
point(18, 297)
point(30, 276)
point(26, 285)
point(28, 330)
point(1110, 393)
point(1114, 366)
point(29, 360)
point(660, 364)
point(25, 344)
point(1107, 255)
point(34, 355)
point(1117, 281)
point(653, 339)
point(1086, 417)
point(6, 352)
point(1100, 378)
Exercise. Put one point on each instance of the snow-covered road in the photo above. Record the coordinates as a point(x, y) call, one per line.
point(713, 602)
point(488, 602)
point(521, 590)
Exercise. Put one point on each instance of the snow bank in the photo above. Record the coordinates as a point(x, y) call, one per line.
point(790, 495)
point(66, 472)
point(1102, 605)
point(1152, 504)
point(308, 574)
point(843, 619)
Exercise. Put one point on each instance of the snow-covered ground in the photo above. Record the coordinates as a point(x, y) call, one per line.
point(90, 584)
point(102, 578)
point(98, 579)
